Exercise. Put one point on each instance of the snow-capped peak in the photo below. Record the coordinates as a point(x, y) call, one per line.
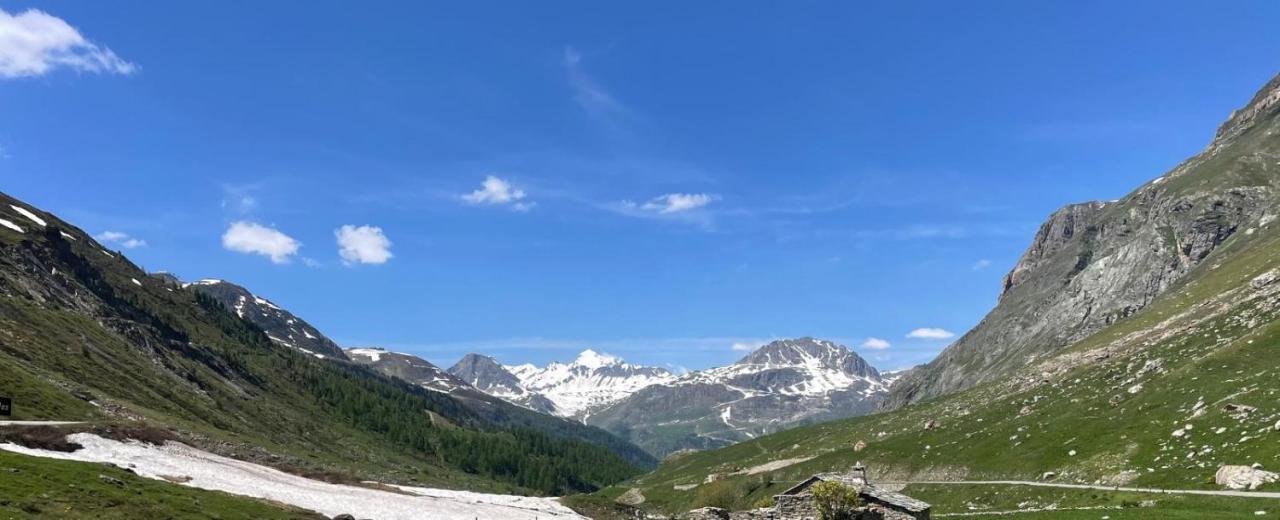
point(592, 359)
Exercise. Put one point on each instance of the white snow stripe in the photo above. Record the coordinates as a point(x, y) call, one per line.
point(29, 215)
point(11, 225)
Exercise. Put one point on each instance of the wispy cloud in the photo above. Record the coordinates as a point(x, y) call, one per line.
point(981, 264)
point(120, 239)
point(875, 344)
point(362, 245)
point(34, 43)
point(930, 333)
point(587, 92)
point(240, 198)
point(495, 191)
point(743, 347)
point(253, 238)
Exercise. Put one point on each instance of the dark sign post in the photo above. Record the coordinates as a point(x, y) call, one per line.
point(6, 406)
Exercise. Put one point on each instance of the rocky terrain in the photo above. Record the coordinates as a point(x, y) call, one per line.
point(1093, 264)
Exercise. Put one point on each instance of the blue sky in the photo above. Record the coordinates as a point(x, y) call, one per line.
point(671, 182)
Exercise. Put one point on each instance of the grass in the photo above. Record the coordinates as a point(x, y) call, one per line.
point(33, 487)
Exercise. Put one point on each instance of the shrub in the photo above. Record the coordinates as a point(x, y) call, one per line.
point(721, 494)
point(835, 501)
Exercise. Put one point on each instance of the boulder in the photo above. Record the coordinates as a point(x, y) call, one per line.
point(1244, 477)
point(706, 513)
point(633, 497)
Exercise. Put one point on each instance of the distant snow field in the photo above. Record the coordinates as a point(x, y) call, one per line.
point(209, 471)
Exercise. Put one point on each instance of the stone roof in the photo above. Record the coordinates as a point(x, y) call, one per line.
point(894, 498)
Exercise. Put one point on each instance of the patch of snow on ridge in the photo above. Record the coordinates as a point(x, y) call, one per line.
point(67, 236)
point(30, 216)
point(135, 282)
point(209, 471)
point(373, 354)
point(11, 225)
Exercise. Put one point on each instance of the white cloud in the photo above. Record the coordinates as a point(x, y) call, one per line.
point(742, 347)
point(930, 333)
point(120, 239)
point(363, 245)
point(981, 264)
point(875, 344)
point(673, 203)
point(34, 43)
point(497, 192)
point(251, 237)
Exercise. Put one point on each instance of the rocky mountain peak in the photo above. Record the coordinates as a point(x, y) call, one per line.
point(809, 351)
point(280, 325)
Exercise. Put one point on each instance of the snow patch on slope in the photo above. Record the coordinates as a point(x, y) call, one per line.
point(209, 471)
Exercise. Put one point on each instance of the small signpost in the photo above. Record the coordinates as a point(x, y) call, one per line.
point(6, 406)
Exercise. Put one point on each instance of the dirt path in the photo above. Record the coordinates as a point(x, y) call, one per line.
point(39, 423)
point(1210, 492)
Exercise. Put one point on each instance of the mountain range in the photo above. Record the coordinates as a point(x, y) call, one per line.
point(781, 384)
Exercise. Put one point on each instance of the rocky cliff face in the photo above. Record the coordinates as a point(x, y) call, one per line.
point(1095, 263)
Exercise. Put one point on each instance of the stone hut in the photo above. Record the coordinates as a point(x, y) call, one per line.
point(879, 503)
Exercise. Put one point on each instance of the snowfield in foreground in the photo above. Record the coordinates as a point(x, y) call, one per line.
point(209, 471)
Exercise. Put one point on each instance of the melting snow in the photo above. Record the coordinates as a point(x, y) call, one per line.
point(209, 471)
point(11, 225)
point(31, 216)
point(135, 282)
point(67, 236)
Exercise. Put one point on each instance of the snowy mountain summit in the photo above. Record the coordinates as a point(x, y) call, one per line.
point(779, 385)
point(590, 382)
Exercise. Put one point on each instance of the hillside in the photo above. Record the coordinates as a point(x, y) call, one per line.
point(1169, 388)
point(87, 335)
point(1094, 264)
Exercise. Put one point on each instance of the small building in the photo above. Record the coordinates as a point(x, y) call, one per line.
point(879, 503)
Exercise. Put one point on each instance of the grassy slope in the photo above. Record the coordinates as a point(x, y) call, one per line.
point(32, 487)
point(221, 382)
point(1214, 337)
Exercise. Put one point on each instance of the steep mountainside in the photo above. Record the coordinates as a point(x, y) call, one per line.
point(1093, 264)
point(576, 389)
point(780, 385)
point(279, 324)
point(1162, 397)
point(87, 335)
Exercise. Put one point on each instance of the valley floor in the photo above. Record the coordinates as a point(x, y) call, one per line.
point(179, 463)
